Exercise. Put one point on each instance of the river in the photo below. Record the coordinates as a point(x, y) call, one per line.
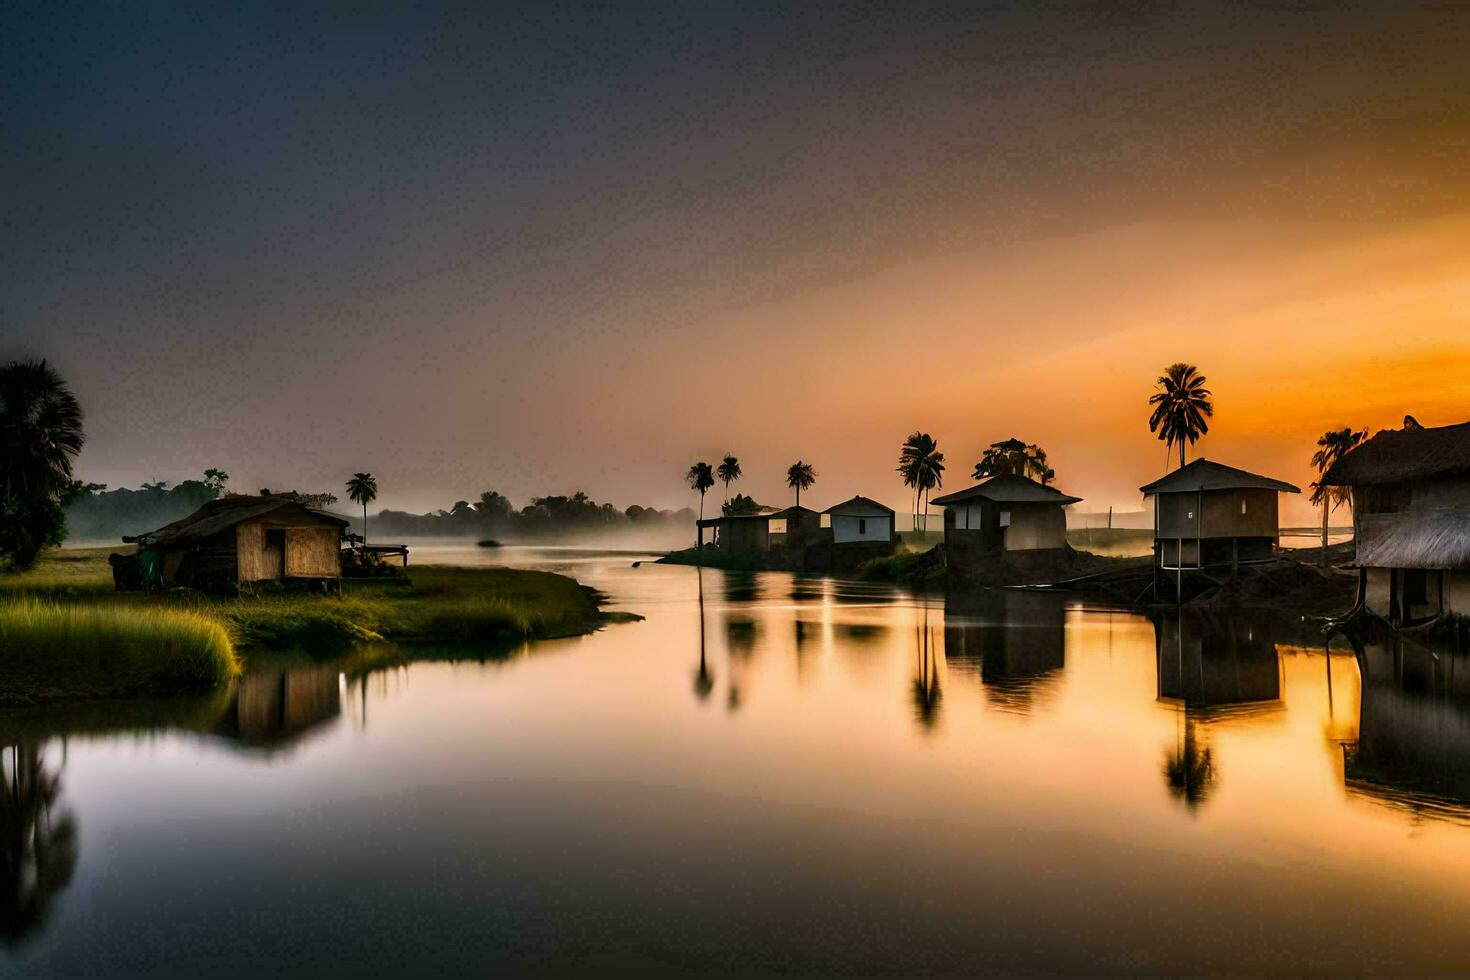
point(768, 773)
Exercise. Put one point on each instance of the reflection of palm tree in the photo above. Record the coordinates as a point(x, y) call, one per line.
point(1190, 769)
point(926, 693)
point(1180, 407)
point(1330, 448)
point(703, 682)
point(38, 846)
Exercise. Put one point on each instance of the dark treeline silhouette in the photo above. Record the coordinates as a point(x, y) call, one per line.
point(97, 513)
point(544, 517)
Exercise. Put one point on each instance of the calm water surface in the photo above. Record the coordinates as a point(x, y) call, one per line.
point(769, 773)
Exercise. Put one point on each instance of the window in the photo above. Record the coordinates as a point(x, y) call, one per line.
point(826, 520)
point(778, 526)
point(1190, 515)
point(1242, 506)
point(1005, 518)
point(862, 525)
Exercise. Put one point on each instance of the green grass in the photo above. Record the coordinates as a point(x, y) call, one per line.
point(64, 572)
point(53, 649)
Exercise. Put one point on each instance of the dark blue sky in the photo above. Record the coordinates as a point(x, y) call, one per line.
point(498, 245)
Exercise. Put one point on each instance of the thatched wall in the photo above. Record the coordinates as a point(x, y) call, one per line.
point(272, 548)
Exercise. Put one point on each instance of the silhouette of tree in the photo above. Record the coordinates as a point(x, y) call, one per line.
point(700, 478)
point(215, 480)
point(1190, 769)
point(38, 841)
point(1181, 407)
point(1014, 458)
point(40, 436)
point(1331, 447)
point(739, 505)
point(728, 471)
point(363, 489)
point(921, 465)
point(800, 476)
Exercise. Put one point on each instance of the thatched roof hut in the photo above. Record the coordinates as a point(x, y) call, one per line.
point(1207, 514)
point(1411, 519)
point(238, 540)
point(1004, 513)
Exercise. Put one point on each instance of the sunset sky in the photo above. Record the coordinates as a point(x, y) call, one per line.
point(543, 248)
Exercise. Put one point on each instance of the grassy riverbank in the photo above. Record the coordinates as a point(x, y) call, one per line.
point(65, 633)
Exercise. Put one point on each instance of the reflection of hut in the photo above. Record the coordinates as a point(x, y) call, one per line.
point(1411, 520)
point(1013, 640)
point(240, 540)
point(1205, 662)
point(1004, 514)
point(1207, 514)
point(275, 707)
point(1414, 722)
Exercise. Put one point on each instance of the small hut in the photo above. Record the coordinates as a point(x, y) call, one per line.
point(860, 520)
point(738, 533)
point(794, 528)
point(1411, 520)
point(1006, 513)
point(238, 541)
point(1207, 514)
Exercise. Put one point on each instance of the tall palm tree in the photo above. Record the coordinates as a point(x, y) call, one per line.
point(40, 436)
point(363, 489)
point(700, 478)
point(1014, 457)
point(1181, 407)
point(800, 476)
point(1330, 448)
point(921, 465)
point(729, 471)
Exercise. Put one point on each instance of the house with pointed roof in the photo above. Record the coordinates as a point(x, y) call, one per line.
point(1411, 520)
point(1005, 513)
point(241, 540)
point(1207, 514)
point(858, 520)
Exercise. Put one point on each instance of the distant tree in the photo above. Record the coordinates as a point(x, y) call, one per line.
point(216, 479)
point(728, 471)
point(159, 486)
point(40, 436)
point(1331, 447)
point(1015, 458)
point(494, 506)
point(700, 478)
point(363, 489)
point(1181, 406)
point(800, 476)
point(635, 513)
point(921, 465)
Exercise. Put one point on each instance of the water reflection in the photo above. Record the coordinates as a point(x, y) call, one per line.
point(1413, 747)
point(38, 840)
point(925, 692)
point(704, 683)
point(1014, 641)
point(277, 706)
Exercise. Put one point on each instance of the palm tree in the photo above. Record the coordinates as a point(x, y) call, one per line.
point(1330, 448)
point(921, 465)
point(40, 435)
point(729, 471)
point(700, 478)
point(1014, 457)
point(800, 476)
point(363, 489)
point(1180, 407)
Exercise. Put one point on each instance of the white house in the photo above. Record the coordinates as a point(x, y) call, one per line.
point(859, 519)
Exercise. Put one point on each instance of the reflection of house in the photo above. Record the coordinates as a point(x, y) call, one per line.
point(1209, 514)
point(1209, 662)
point(1003, 514)
point(239, 540)
point(1013, 640)
point(859, 520)
point(1414, 722)
point(1411, 520)
point(278, 706)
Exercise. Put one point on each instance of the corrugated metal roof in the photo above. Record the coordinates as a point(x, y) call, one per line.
point(1205, 474)
point(1396, 455)
point(1415, 539)
point(1007, 489)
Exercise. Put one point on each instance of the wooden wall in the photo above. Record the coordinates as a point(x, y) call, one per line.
point(1179, 514)
point(311, 551)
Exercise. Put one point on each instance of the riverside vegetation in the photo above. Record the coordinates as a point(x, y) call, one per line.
point(64, 632)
